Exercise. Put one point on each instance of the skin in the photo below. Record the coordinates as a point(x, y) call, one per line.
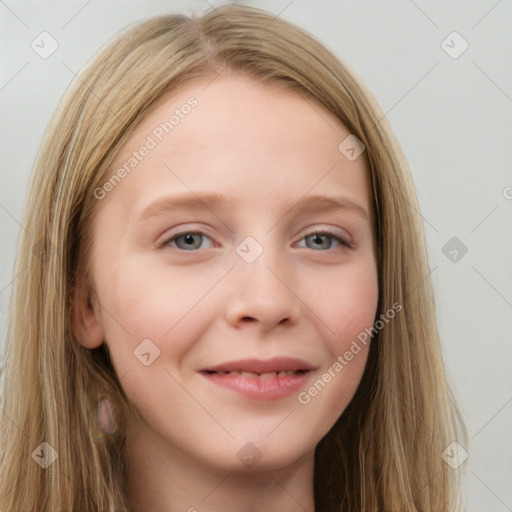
point(266, 147)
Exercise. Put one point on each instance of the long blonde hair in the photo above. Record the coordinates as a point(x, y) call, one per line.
point(385, 451)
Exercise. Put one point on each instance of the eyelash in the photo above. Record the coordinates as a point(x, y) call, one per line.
point(321, 232)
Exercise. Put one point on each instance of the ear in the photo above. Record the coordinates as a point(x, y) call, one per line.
point(85, 321)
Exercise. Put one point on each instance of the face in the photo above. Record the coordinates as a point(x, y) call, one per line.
point(240, 240)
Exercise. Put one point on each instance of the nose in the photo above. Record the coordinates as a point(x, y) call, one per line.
point(264, 293)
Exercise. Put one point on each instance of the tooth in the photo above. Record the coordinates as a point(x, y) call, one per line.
point(282, 374)
point(248, 374)
point(265, 376)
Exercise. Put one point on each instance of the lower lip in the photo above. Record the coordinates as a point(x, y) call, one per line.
point(268, 389)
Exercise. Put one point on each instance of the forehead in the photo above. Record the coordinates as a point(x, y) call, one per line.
point(237, 135)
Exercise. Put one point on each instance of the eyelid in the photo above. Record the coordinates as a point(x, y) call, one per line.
point(344, 241)
point(166, 238)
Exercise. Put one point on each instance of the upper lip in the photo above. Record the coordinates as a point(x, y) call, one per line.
point(276, 364)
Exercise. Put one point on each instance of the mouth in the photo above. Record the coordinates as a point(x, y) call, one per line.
point(263, 375)
point(261, 380)
point(254, 367)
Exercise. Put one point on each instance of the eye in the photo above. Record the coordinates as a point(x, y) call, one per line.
point(324, 240)
point(188, 241)
point(194, 240)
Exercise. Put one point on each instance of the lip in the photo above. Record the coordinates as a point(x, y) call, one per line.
point(252, 365)
point(264, 388)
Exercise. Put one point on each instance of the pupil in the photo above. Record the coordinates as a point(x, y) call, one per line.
point(320, 240)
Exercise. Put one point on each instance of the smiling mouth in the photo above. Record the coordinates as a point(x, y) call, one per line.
point(264, 386)
point(252, 375)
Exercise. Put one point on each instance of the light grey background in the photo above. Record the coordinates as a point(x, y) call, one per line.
point(452, 116)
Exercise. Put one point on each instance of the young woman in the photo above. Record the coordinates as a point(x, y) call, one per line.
point(225, 302)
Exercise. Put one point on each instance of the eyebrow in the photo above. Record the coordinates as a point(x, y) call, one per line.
point(203, 201)
point(212, 201)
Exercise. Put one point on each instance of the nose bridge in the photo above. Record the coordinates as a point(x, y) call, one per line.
point(261, 262)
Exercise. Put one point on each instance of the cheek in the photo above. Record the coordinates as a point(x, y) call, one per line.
point(346, 303)
point(150, 302)
point(347, 311)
